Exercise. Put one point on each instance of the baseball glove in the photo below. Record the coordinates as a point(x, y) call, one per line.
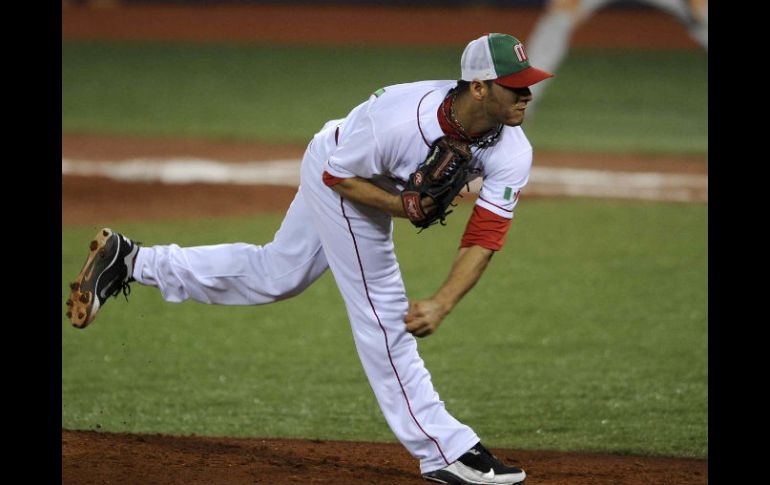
point(440, 177)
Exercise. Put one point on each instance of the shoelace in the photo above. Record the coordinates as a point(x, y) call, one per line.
point(125, 287)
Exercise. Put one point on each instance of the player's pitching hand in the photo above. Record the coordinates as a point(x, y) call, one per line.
point(424, 317)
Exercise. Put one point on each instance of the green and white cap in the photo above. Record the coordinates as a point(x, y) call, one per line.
point(499, 57)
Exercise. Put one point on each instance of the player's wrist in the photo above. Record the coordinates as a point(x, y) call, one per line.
point(444, 303)
point(411, 206)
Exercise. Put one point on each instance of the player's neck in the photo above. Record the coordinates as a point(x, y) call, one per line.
point(469, 114)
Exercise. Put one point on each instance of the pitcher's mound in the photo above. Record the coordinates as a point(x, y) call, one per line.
point(90, 457)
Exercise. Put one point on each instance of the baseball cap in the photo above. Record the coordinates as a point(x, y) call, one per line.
point(500, 57)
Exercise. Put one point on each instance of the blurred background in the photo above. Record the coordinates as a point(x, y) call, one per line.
point(631, 77)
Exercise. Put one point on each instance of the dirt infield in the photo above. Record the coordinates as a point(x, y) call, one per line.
point(90, 457)
point(90, 200)
point(360, 25)
point(115, 148)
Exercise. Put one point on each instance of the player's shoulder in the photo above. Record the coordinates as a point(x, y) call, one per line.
point(513, 141)
point(405, 97)
point(512, 152)
point(515, 136)
point(416, 88)
point(395, 109)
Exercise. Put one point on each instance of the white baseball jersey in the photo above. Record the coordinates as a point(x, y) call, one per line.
point(383, 139)
point(388, 136)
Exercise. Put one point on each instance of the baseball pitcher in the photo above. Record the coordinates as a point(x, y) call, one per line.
point(404, 152)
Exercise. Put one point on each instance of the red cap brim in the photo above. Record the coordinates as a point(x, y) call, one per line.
point(524, 78)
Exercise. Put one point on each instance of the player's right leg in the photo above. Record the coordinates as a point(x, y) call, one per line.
point(225, 274)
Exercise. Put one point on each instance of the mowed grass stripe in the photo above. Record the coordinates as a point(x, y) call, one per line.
point(601, 100)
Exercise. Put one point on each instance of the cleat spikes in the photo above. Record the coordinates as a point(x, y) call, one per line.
point(105, 273)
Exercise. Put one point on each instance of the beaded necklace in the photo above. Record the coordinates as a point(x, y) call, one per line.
point(448, 112)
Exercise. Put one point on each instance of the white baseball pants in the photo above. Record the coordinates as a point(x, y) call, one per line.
point(320, 231)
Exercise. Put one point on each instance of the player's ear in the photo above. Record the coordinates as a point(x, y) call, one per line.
point(478, 89)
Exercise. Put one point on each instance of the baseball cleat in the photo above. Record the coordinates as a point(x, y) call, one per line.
point(477, 467)
point(107, 271)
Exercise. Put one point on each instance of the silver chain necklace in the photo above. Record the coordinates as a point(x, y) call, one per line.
point(482, 142)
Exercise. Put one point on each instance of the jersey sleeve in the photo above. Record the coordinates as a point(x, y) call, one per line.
point(357, 153)
point(485, 229)
point(503, 182)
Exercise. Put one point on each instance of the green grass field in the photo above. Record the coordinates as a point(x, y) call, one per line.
point(587, 332)
point(601, 100)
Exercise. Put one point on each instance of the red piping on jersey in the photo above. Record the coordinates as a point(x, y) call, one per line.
point(329, 179)
point(418, 118)
point(490, 203)
point(385, 334)
point(445, 123)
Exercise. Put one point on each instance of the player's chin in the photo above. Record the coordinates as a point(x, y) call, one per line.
point(515, 119)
